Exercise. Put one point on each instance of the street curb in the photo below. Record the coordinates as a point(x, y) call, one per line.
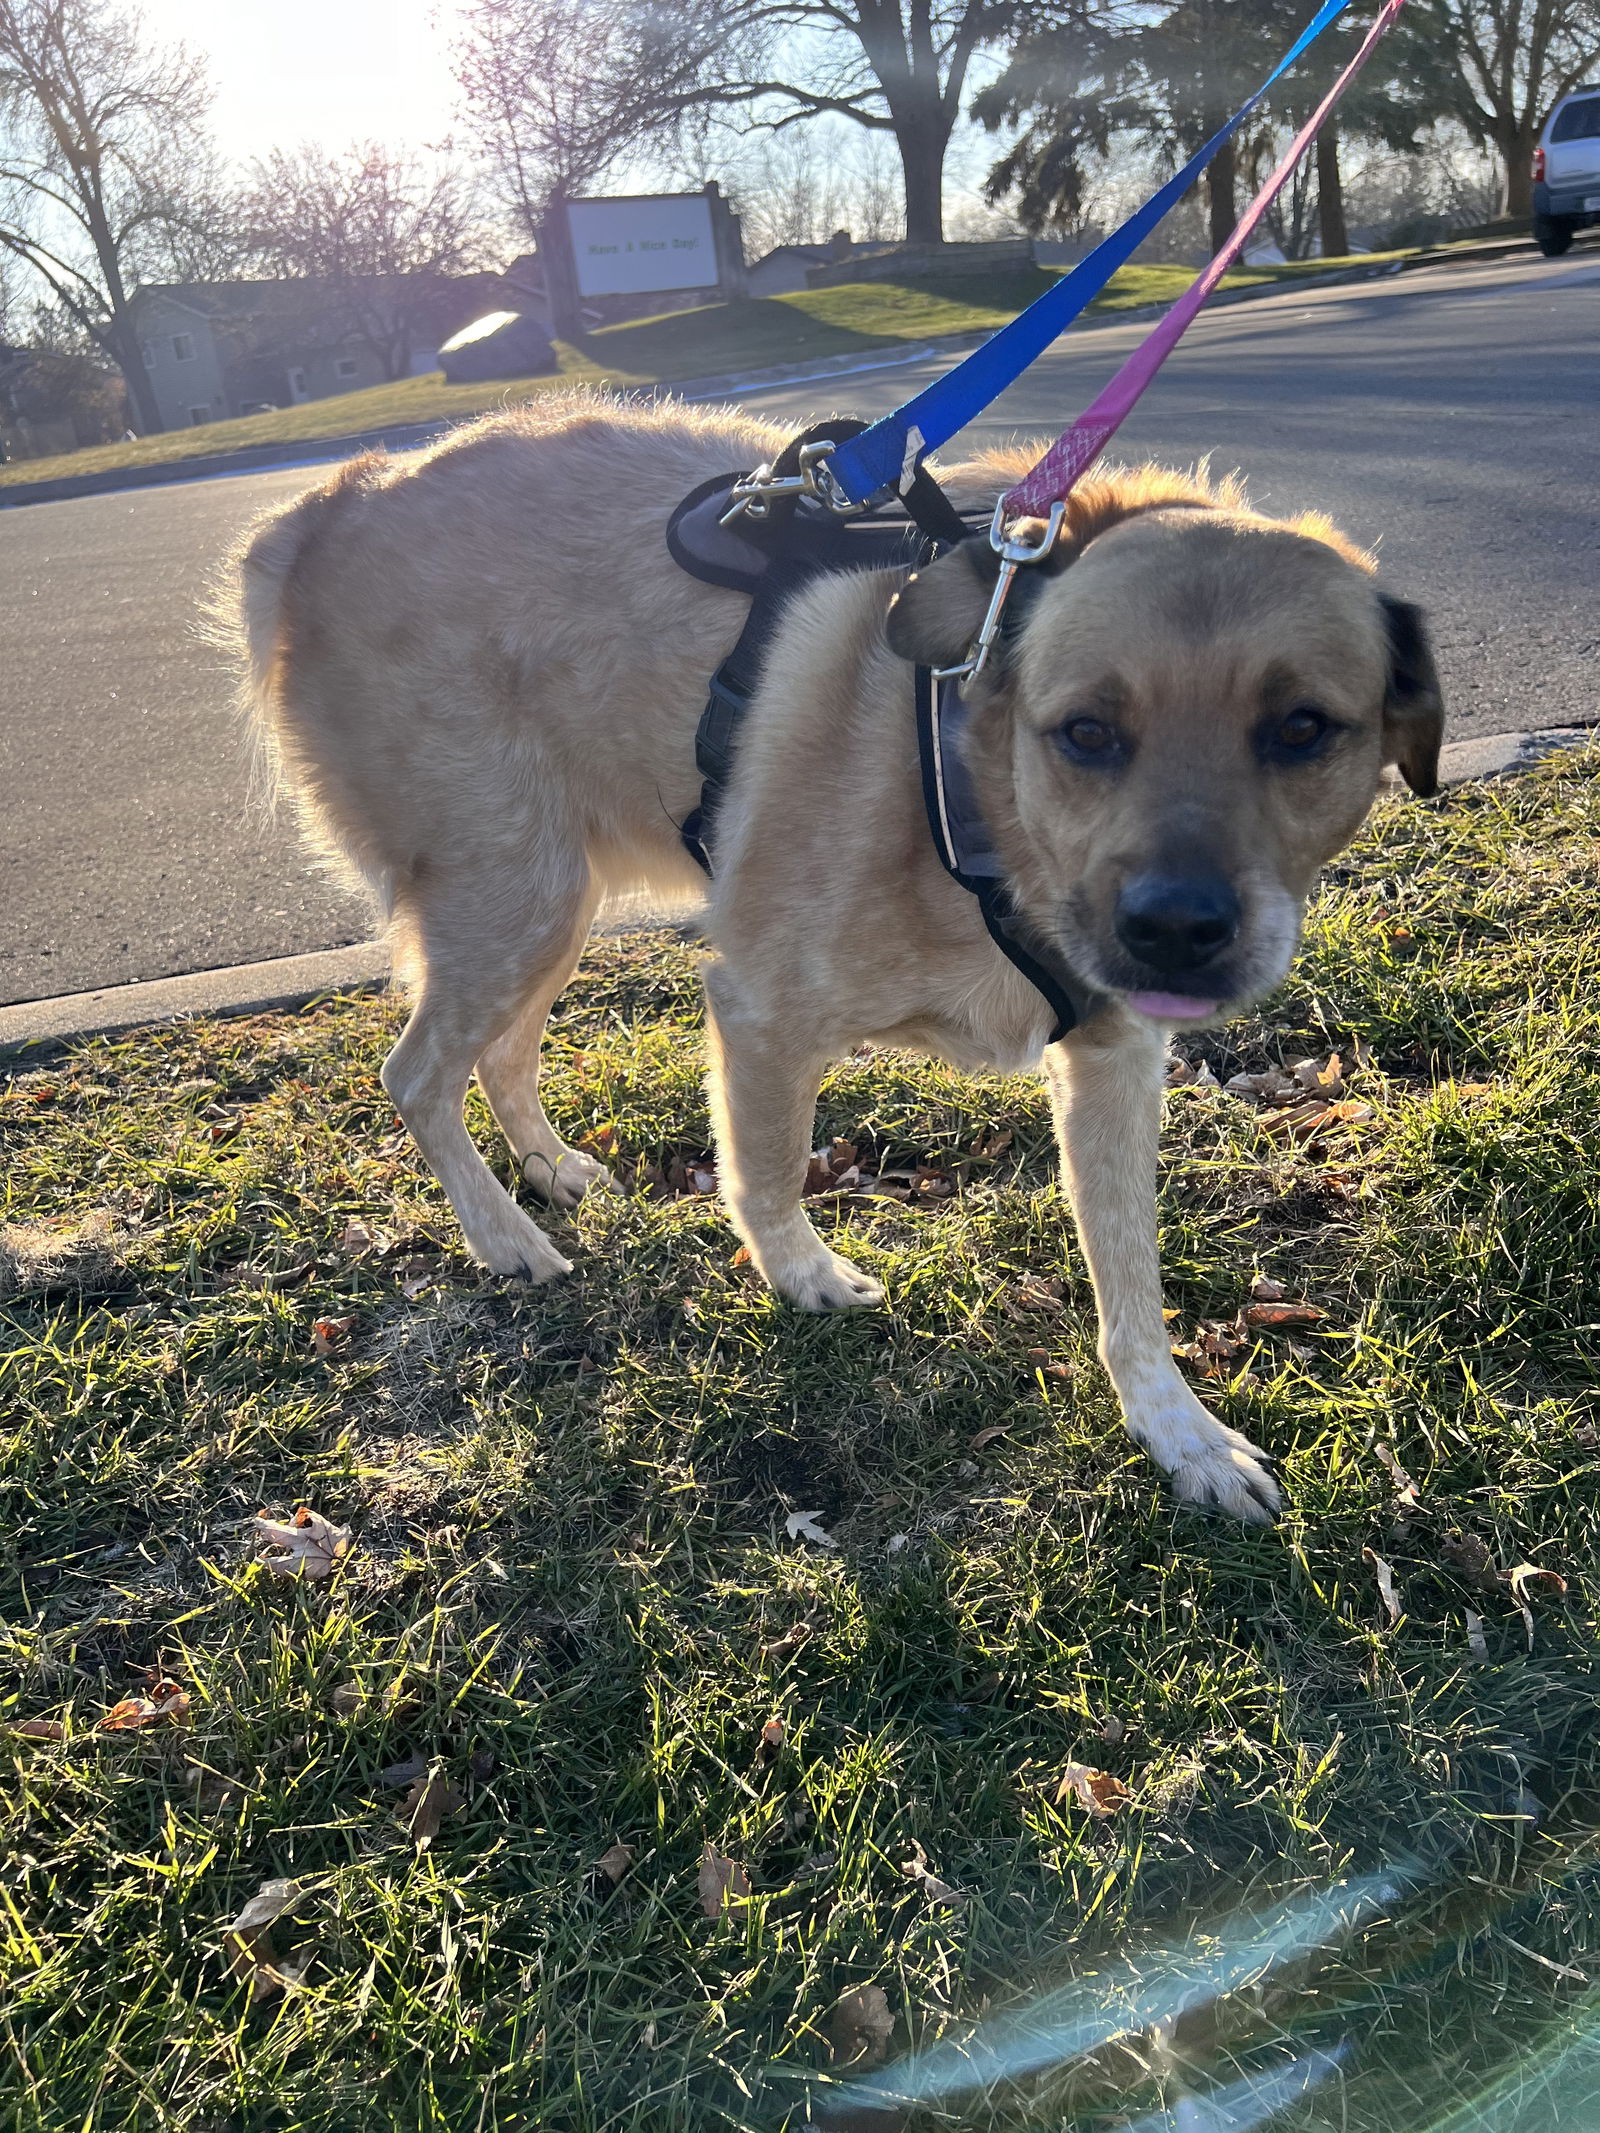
point(885, 355)
point(36, 1028)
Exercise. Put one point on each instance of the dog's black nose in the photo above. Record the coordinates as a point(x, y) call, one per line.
point(1176, 922)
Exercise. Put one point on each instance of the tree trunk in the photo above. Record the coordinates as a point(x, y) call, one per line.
point(122, 345)
point(1220, 177)
point(1515, 146)
point(1330, 195)
point(922, 147)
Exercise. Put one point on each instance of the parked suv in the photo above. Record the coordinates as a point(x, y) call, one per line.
point(1566, 171)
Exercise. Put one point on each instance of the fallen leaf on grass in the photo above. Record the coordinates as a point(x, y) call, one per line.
point(329, 1335)
point(38, 1729)
point(802, 1525)
point(429, 1803)
point(917, 1869)
point(213, 1792)
point(1320, 1077)
point(1263, 1291)
point(1181, 1075)
point(1386, 1584)
point(248, 1941)
point(723, 1882)
point(1522, 1579)
point(1275, 1317)
point(1270, 1084)
point(1469, 1555)
point(346, 1700)
point(166, 1703)
point(1110, 1730)
point(1477, 1643)
point(406, 1773)
point(309, 1545)
point(789, 1642)
point(1405, 1489)
point(771, 1742)
point(1096, 1790)
point(987, 1436)
point(615, 1862)
point(860, 2028)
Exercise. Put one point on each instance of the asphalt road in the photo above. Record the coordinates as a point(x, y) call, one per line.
point(1449, 418)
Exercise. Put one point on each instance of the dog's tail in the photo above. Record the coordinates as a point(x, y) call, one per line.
point(248, 618)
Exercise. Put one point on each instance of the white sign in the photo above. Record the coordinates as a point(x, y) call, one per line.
point(628, 247)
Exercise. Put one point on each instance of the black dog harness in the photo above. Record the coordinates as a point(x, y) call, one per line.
point(773, 557)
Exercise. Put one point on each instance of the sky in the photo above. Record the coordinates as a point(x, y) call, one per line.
point(333, 71)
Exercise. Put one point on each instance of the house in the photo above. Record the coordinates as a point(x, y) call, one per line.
point(785, 268)
point(217, 349)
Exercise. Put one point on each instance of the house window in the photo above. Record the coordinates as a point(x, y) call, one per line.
point(149, 356)
point(197, 415)
point(345, 367)
point(183, 347)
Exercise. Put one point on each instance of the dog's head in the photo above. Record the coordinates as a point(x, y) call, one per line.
point(1190, 715)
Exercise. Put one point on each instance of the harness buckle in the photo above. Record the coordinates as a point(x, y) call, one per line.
point(1013, 555)
point(753, 496)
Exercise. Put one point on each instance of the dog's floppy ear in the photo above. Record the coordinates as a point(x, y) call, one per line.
point(938, 611)
point(1413, 704)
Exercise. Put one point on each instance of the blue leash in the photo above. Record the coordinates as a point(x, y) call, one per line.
point(885, 457)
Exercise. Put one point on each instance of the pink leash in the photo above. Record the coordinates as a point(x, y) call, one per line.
point(1076, 450)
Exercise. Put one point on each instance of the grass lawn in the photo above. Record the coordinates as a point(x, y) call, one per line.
point(758, 334)
point(571, 1594)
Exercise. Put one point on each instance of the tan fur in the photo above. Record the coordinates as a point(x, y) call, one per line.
point(481, 674)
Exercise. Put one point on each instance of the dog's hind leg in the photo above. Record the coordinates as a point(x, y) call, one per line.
point(476, 977)
point(509, 1073)
point(763, 1104)
point(1105, 1085)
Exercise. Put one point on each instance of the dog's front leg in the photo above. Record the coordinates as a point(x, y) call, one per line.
point(1105, 1084)
point(764, 1081)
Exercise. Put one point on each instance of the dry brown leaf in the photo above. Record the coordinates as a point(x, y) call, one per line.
point(1469, 1555)
point(1523, 1578)
point(771, 1742)
point(247, 1940)
point(308, 1545)
point(167, 1703)
point(860, 2028)
point(917, 1869)
point(38, 1729)
point(1096, 1790)
point(1323, 1077)
point(1386, 1584)
point(1263, 1291)
point(346, 1700)
point(429, 1803)
point(1405, 1489)
point(790, 1641)
point(987, 1436)
point(723, 1882)
point(328, 1335)
point(1276, 1317)
point(1110, 1730)
point(615, 1862)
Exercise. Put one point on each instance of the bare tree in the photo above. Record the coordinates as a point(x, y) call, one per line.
point(1513, 58)
point(104, 162)
point(556, 92)
point(373, 230)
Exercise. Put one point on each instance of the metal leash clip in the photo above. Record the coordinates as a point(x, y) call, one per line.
point(1013, 555)
point(754, 495)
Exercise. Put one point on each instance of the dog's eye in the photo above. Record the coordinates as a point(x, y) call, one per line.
point(1299, 733)
point(1089, 740)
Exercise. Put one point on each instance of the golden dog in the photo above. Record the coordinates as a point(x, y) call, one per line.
point(481, 674)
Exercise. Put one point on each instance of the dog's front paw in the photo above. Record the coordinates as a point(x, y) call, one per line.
point(510, 1242)
point(1212, 1467)
point(564, 1184)
point(827, 1283)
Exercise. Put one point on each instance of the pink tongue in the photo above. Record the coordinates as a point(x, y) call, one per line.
point(1172, 1006)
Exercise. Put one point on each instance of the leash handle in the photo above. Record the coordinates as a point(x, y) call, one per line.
point(1054, 476)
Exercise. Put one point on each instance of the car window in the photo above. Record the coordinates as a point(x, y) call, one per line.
point(1578, 122)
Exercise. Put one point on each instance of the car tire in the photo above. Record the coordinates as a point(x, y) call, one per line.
point(1553, 233)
